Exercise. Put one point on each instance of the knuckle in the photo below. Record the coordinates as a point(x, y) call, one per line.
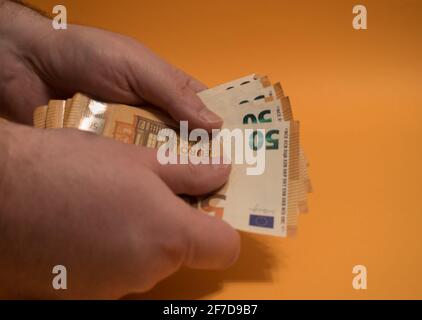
point(167, 245)
point(184, 86)
point(174, 245)
point(182, 81)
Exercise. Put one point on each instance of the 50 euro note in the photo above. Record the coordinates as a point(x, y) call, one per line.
point(253, 81)
point(272, 112)
point(52, 115)
point(39, 116)
point(257, 91)
point(263, 204)
point(258, 97)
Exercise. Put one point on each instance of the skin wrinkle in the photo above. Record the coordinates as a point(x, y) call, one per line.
point(133, 82)
point(43, 68)
point(121, 80)
point(35, 64)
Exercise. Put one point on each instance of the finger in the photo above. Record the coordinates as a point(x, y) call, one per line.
point(194, 179)
point(133, 74)
point(213, 244)
point(189, 178)
point(197, 86)
point(174, 91)
point(191, 237)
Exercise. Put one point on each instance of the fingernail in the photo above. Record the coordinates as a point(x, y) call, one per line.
point(210, 116)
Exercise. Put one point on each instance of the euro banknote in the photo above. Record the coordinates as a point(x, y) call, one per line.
point(267, 203)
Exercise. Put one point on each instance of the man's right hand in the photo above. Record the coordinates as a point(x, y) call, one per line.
point(106, 211)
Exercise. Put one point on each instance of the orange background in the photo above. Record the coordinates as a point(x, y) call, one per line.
point(358, 96)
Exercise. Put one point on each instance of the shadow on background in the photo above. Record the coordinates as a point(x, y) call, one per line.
point(255, 264)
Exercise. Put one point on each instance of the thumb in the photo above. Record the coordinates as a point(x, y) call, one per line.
point(213, 244)
point(194, 179)
point(188, 178)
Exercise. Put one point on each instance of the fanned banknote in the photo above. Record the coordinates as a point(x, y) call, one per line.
point(267, 203)
point(262, 103)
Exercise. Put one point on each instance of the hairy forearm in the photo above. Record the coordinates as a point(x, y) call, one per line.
point(21, 28)
point(19, 21)
point(28, 5)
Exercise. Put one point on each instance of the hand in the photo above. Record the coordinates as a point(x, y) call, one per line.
point(107, 211)
point(40, 63)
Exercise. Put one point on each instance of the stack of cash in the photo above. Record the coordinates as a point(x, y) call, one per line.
point(266, 203)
